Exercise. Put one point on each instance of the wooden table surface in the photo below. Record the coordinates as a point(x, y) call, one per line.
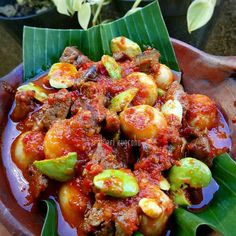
point(3, 231)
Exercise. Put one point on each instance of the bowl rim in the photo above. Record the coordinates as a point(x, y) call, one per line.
point(16, 18)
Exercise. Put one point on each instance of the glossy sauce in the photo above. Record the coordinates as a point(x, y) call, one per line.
point(20, 187)
point(207, 196)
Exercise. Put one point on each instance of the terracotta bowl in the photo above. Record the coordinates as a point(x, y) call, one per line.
point(202, 73)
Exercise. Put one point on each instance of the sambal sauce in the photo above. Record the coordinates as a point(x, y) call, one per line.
point(117, 144)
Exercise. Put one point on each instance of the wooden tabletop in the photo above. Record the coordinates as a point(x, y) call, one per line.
point(3, 231)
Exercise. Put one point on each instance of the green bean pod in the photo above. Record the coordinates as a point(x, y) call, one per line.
point(40, 93)
point(60, 169)
point(126, 46)
point(116, 183)
point(190, 172)
point(112, 67)
point(122, 100)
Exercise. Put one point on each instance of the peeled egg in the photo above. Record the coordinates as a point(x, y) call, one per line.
point(164, 77)
point(174, 108)
point(27, 148)
point(202, 112)
point(148, 91)
point(142, 122)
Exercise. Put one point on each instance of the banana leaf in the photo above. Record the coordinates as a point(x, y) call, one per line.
point(43, 47)
point(50, 223)
point(220, 213)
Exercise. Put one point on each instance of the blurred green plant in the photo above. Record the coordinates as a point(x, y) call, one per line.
point(85, 10)
point(198, 14)
point(35, 3)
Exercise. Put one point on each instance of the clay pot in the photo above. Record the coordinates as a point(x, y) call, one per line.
point(202, 73)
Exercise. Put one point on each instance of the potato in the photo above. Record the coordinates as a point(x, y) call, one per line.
point(27, 148)
point(142, 122)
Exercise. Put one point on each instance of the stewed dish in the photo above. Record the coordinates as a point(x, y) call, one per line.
point(117, 143)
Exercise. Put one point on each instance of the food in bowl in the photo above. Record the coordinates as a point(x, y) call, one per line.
point(117, 143)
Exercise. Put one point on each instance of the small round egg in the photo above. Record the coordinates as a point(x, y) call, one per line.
point(202, 112)
point(142, 122)
point(174, 108)
point(73, 202)
point(27, 148)
point(164, 78)
point(147, 87)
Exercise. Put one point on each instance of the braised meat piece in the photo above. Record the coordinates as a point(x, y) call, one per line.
point(199, 147)
point(120, 56)
point(91, 97)
point(38, 182)
point(89, 75)
point(56, 107)
point(73, 56)
point(153, 159)
point(148, 61)
point(108, 211)
point(203, 149)
point(24, 105)
point(102, 159)
point(176, 92)
point(112, 125)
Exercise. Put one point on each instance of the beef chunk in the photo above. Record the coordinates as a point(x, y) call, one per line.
point(112, 125)
point(91, 98)
point(24, 105)
point(120, 56)
point(154, 159)
point(148, 60)
point(73, 56)
point(38, 182)
point(89, 75)
point(102, 159)
point(108, 211)
point(56, 107)
point(201, 149)
point(107, 228)
point(103, 156)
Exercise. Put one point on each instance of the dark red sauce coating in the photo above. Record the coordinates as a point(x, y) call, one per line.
point(75, 139)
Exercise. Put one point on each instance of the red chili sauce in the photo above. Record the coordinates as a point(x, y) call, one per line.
point(84, 142)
